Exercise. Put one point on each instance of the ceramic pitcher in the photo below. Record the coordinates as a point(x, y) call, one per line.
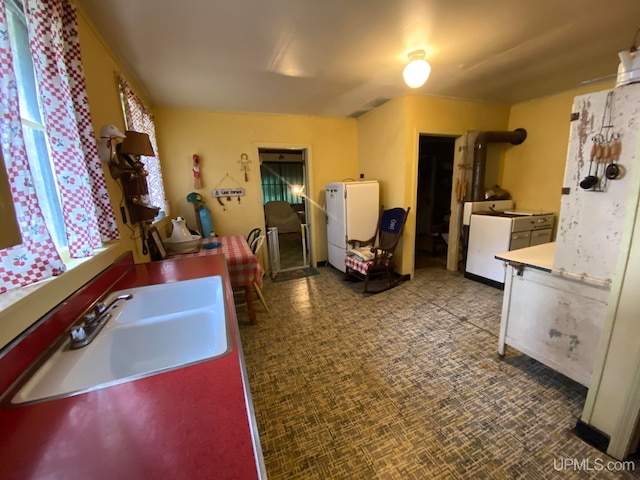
point(180, 231)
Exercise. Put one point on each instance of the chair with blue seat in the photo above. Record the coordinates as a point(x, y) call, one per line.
point(373, 258)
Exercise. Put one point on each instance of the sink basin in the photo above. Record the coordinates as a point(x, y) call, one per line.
point(163, 327)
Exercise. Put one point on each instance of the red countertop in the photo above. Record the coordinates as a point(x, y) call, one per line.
point(195, 422)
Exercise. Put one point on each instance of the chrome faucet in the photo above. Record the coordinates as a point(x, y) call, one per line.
point(92, 322)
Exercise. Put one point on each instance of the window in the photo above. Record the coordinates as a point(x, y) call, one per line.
point(32, 125)
point(277, 180)
point(139, 118)
point(48, 143)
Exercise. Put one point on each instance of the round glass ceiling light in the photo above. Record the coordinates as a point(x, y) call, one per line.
point(417, 70)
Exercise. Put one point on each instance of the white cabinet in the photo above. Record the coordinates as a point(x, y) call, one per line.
point(556, 320)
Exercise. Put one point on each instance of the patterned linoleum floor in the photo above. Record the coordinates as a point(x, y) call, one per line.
point(405, 384)
point(290, 250)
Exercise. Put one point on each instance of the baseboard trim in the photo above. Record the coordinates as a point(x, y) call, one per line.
point(592, 436)
point(486, 281)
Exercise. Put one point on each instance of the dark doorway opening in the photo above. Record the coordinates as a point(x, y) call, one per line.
point(283, 180)
point(433, 203)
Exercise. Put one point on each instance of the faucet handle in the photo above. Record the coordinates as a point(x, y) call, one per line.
point(99, 308)
point(90, 318)
point(78, 334)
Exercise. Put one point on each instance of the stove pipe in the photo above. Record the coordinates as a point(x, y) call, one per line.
point(480, 156)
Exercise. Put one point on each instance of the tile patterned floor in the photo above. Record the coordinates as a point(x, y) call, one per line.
point(406, 384)
point(290, 250)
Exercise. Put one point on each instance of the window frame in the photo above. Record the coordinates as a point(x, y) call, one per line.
point(37, 149)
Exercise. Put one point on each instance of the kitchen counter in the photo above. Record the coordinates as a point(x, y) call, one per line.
point(538, 256)
point(195, 422)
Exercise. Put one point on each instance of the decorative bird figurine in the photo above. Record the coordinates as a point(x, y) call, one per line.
point(106, 146)
point(206, 219)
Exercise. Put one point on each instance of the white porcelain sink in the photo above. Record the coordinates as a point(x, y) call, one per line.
point(161, 328)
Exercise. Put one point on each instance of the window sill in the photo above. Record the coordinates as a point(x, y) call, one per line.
point(22, 307)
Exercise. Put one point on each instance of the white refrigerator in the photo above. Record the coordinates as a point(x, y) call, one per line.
point(352, 213)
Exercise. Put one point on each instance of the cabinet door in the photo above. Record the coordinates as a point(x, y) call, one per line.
point(10, 232)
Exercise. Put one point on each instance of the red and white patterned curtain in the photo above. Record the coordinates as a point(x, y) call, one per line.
point(55, 48)
point(139, 118)
point(36, 258)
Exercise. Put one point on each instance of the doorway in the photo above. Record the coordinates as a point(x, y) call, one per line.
point(283, 175)
point(433, 202)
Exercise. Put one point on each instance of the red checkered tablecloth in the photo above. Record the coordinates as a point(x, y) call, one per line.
point(356, 263)
point(243, 266)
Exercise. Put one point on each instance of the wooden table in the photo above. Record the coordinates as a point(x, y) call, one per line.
point(244, 268)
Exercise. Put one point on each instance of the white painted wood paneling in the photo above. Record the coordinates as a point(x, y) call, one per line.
point(553, 319)
point(590, 225)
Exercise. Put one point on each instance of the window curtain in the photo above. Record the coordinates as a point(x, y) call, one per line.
point(277, 179)
point(139, 118)
point(55, 48)
point(36, 258)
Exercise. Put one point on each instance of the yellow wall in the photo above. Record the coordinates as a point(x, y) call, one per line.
point(534, 171)
point(221, 138)
point(383, 148)
point(100, 69)
point(388, 147)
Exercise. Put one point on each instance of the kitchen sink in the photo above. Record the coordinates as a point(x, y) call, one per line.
point(161, 328)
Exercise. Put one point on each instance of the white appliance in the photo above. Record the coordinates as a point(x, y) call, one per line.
point(352, 213)
point(629, 68)
point(491, 233)
point(484, 206)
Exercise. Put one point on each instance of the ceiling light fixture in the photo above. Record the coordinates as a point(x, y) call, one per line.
point(417, 70)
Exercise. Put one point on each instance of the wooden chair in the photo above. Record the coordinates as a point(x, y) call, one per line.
point(253, 234)
point(373, 258)
point(238, 294)
point(256, 245)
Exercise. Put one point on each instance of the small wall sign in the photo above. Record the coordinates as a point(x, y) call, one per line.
point(227, 192)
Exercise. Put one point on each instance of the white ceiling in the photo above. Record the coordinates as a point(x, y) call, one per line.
point(338, 57)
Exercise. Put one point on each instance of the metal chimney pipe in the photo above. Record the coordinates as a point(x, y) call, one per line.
point(515, 137)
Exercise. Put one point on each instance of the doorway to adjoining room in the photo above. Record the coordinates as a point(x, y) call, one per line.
point(435, 173)
point(283, 179)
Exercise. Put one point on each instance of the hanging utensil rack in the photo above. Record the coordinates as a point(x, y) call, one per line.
point(605, 152)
